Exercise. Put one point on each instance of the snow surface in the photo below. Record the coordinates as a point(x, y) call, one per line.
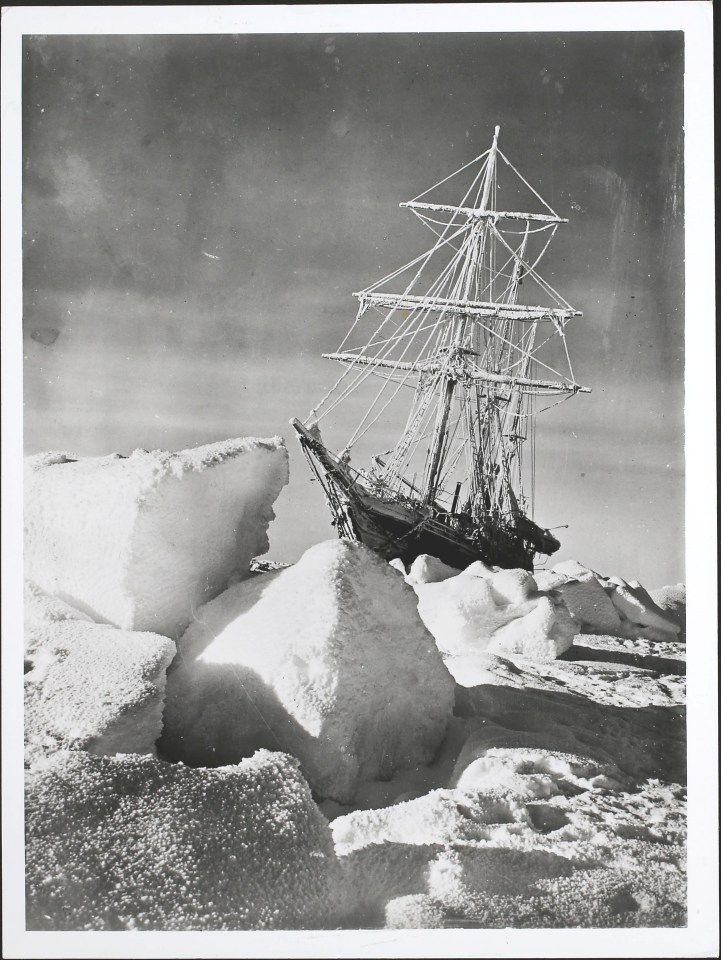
point(132, 843)
point(483, 610)
point(141, 541)
point(327, 660)
point(515, 857)
point(563, 810)
point(92, 687)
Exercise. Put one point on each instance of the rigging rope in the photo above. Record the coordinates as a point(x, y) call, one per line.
point(459, 170)
point(520, 175)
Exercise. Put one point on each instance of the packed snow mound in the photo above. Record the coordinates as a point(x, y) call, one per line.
point(609, 605)
point(132, 843)
point(440, 817)
point(42, 608)
point(141, 541)
point(486, 611)
point(92, 687)
point(427, 569)
point(327, 660)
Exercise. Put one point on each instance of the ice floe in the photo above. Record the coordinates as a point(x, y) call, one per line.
point(141, 541)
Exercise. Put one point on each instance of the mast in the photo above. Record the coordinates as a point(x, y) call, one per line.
point(439, 439)
point(455, 356)
point(490, 171)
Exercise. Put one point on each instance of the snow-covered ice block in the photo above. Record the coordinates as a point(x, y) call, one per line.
point(590, 605)
point(549, 579)
point(427, 569)
point(132, 843)
point(498, 611)
point(572, 568)
point(142, 541)
point(671, 601)
point(327, 660)
point(636, 606)
point(513, 586)
point(462, 613)
point(379, 872)
point(92, 687)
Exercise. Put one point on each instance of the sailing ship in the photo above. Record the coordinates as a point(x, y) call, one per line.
point(459, 368)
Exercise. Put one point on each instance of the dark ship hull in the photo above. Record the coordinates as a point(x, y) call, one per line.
point(393, 530)
point(404, 528)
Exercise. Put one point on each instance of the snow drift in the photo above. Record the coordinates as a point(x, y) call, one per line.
point(92, 687)
point(141, 541)
point(327, 660)
point(133, 843)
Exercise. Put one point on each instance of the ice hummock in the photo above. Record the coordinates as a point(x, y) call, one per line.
point(141, 542)
point(93, 687)
point(132, 843)
point(611, 605)
point(327, 660)
point(485, 610)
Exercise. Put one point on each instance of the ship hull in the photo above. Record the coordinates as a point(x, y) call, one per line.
point(392, 530)
point(403, 528)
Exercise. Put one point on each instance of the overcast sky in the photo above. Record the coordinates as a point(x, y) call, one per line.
point(198, 209)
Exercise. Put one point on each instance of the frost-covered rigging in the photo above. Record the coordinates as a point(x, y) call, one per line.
point(480, 359)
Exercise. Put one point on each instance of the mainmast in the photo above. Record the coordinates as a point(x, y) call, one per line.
point(448, 381)
point(490, 171)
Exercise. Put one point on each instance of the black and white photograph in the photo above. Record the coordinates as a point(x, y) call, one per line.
point(358, 453)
